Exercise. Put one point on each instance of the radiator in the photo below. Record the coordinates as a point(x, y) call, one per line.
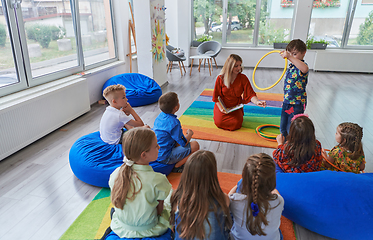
point(31, 114)
point(344, 61)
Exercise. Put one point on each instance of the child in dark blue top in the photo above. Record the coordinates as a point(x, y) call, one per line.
point(295, 96)
point(175, 148)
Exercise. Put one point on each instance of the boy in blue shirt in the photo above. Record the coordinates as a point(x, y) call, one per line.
point(295, 96)
point(174, 146)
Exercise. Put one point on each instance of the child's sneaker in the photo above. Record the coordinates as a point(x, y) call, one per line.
point(178, 169)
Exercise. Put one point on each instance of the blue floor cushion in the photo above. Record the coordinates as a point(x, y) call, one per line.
point(140, 89)
point(165, 236)
point(92, 160)
point(334, 204)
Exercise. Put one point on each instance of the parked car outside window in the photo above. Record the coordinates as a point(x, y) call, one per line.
point(234, 26)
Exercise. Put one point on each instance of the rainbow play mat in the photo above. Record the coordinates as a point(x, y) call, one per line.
point(199, 118)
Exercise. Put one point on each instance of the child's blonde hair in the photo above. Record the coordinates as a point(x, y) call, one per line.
point(258, 182)
point(226, 71)
point(351, 136)
point(198, 192)
point(110, 92)
point(135, 142)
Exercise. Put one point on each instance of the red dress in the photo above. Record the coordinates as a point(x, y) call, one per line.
point(240, 91)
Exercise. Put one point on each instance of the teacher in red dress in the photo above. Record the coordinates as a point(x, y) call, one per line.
point(234, 88)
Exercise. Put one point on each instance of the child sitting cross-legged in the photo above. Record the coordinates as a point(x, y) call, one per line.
point(301, 152)
point(117, 115)
point(141, 197)
point(255, 203)
point(175, 148)
point(199, 208)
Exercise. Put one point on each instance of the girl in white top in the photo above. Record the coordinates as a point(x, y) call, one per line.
point(255, 204)
point(141, 197)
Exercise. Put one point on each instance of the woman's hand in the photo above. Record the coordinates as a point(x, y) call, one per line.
point(258, 102)
point(221, 108)
point(261, 103)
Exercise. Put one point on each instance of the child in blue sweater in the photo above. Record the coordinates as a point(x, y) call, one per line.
point(175, 148)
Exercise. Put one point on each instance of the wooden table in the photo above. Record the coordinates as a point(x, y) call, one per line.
point(201, 58)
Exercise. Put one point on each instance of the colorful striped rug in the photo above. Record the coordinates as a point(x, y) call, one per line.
point(95, 219)
point(199, 118)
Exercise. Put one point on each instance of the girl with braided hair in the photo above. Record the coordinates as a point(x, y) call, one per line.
point(199, 208)
point(255, 203)
point(140, 196)
point(348, 155)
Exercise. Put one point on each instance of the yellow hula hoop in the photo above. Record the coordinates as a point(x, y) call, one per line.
point(283, 73)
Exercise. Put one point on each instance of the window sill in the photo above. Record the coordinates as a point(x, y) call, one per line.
point(100, 68)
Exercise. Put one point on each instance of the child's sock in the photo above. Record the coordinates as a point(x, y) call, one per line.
point(178, 169)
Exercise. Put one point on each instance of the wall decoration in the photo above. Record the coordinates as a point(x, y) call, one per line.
point(157, 17)
point(158, 42)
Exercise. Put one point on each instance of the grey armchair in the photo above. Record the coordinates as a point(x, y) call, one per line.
point(210, 48)
point(174, 58)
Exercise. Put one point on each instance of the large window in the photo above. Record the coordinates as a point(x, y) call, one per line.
point(275, 22)
point(361, 33)
point(243, 22)
point(342, 23)
point(208, 19)
point(328, 21)
point(41, 41)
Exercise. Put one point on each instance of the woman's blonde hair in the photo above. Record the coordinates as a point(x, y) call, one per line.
point(226, 71)
point(198, 192)
point(352, 134)
point(134, 143)
point(258, 182)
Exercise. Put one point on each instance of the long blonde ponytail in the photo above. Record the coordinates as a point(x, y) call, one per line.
point(135, 142)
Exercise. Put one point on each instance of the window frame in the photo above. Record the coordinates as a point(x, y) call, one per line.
point(21, 56)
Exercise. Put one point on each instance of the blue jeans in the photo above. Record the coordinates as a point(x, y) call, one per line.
point(218, 231)
point(177, 154)
point(287, 113)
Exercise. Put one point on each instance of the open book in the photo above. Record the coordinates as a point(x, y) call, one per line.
point(228, 110)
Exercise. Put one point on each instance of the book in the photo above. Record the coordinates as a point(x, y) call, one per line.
point(229, 110)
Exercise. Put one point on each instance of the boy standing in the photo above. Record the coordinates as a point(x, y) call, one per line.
point(174, 146)
point(295, 96)
point(117, 115)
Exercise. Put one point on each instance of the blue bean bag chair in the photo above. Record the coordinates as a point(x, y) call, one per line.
point(92, 160)
point(140, 89)
point(165, 236)
point(334, 204)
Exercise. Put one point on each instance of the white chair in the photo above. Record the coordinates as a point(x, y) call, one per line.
point(210, 48)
